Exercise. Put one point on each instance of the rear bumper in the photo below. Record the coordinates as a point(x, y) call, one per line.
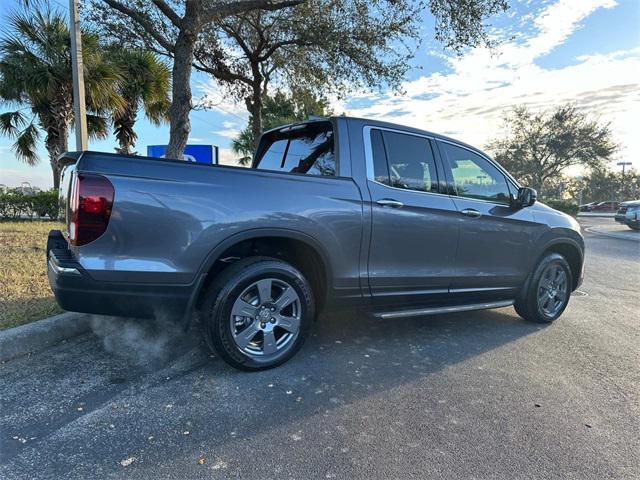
point(76, 291)
point(628, 220)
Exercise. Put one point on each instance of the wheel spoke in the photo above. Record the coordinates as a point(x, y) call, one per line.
point(269, 342)
point(545, 305)
point(264, 290)
point(285, 299)
point(244, 337)
point(243, 309)
point(290, 324)
point(551, 273)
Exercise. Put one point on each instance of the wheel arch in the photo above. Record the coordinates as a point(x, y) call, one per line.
point(297, 248)
point(573, 253)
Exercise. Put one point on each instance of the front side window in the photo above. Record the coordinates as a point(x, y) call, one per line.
point(403, 161)
point(476, 177)
point(308, 150)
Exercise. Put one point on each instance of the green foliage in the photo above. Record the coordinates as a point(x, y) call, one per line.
point(35, 73)
point(604, 185)
point(280, 109)
point(538, 147)
point(15, 204)
point(145, 82)
point(566, 206)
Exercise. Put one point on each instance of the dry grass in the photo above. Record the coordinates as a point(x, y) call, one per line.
point(25, 295)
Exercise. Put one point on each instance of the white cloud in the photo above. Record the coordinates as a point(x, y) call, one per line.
point(226, 156)
point(37, 177)
point(229, 130)
point(469, 101)
point(212, 96)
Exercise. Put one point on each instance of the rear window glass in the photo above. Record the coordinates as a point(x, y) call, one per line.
point(309, 150)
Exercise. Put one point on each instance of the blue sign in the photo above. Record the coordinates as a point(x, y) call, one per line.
point(192, 153)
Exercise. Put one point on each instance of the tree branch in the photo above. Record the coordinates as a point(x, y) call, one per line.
point(143, 22)
point(235, 8)
point(281, 44)
point(168, 12)
point(221, 74)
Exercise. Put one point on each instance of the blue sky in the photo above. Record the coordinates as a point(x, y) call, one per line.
point(551, 52)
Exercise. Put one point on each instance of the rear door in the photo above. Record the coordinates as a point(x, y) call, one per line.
point(495, 239)
point(414, 232)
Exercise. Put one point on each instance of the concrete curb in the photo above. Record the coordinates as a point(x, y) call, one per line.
point(631, 235)
point(38, 335)
point(596, 215)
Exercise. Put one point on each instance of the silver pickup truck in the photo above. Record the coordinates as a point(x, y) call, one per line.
point(333, 213)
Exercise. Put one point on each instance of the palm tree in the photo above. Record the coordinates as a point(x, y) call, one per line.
point(35, 72)
point(145, 83)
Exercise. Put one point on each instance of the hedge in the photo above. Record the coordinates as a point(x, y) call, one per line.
point(15, 204)
point(565, 206)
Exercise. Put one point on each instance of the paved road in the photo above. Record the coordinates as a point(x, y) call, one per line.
point(481, 395)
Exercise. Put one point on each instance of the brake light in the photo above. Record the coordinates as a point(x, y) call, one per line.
point(90, 207)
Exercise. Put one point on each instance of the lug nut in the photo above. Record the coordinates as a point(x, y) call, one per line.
point(273, 320)
point(262, 325)
point(273, 309)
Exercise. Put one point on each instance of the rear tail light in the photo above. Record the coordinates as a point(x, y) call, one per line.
point(90, 208)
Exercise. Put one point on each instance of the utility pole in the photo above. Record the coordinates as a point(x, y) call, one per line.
point(79, 109)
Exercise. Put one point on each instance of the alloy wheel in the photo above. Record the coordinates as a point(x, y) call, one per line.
point(265, 318)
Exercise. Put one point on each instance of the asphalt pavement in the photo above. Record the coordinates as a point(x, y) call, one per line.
point(473, 395)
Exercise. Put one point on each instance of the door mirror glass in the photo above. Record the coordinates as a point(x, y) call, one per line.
point(526, 197)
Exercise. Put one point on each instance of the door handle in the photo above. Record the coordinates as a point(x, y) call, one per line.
point(471, 212)
point(388, 202)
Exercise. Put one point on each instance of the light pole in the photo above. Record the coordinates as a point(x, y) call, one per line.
point(624, 164)
point(79, 109)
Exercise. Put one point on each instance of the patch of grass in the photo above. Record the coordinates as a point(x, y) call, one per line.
point(25, 295)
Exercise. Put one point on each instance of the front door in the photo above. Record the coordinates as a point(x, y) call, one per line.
point(414, 232)
point(495, 239)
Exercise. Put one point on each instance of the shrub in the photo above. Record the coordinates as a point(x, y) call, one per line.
point(15, 204)
point(565, 206)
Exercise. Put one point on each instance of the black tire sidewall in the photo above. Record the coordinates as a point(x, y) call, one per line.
point(222, 295)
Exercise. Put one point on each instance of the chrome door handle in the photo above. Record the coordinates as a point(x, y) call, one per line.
point(388, 202)
point(471, 212)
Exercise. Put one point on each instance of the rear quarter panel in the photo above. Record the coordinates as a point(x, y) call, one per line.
point(168, 217)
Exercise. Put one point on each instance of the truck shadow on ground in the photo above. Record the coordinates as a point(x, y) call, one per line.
point(141, 380)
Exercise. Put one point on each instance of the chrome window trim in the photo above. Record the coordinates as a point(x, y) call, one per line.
point(368, 156)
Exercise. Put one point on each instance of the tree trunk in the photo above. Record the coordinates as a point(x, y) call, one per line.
point(124, 123)
point(254, 106)
point(180, 126)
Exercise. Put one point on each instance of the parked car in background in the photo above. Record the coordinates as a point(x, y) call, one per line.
point(629, 214)
point(333, 213)
point(587, 207)
point(605, 207)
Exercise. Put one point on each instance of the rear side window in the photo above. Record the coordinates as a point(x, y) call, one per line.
point(308, 150)
point(403, 161)
point(474, 176)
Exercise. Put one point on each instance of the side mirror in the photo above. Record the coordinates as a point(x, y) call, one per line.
point(526, 197)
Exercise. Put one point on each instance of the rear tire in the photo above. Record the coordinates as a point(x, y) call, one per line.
point(257, 313)
point(548, 291)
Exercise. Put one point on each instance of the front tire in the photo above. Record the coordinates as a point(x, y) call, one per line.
point(548, 291)
point(257, 313)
